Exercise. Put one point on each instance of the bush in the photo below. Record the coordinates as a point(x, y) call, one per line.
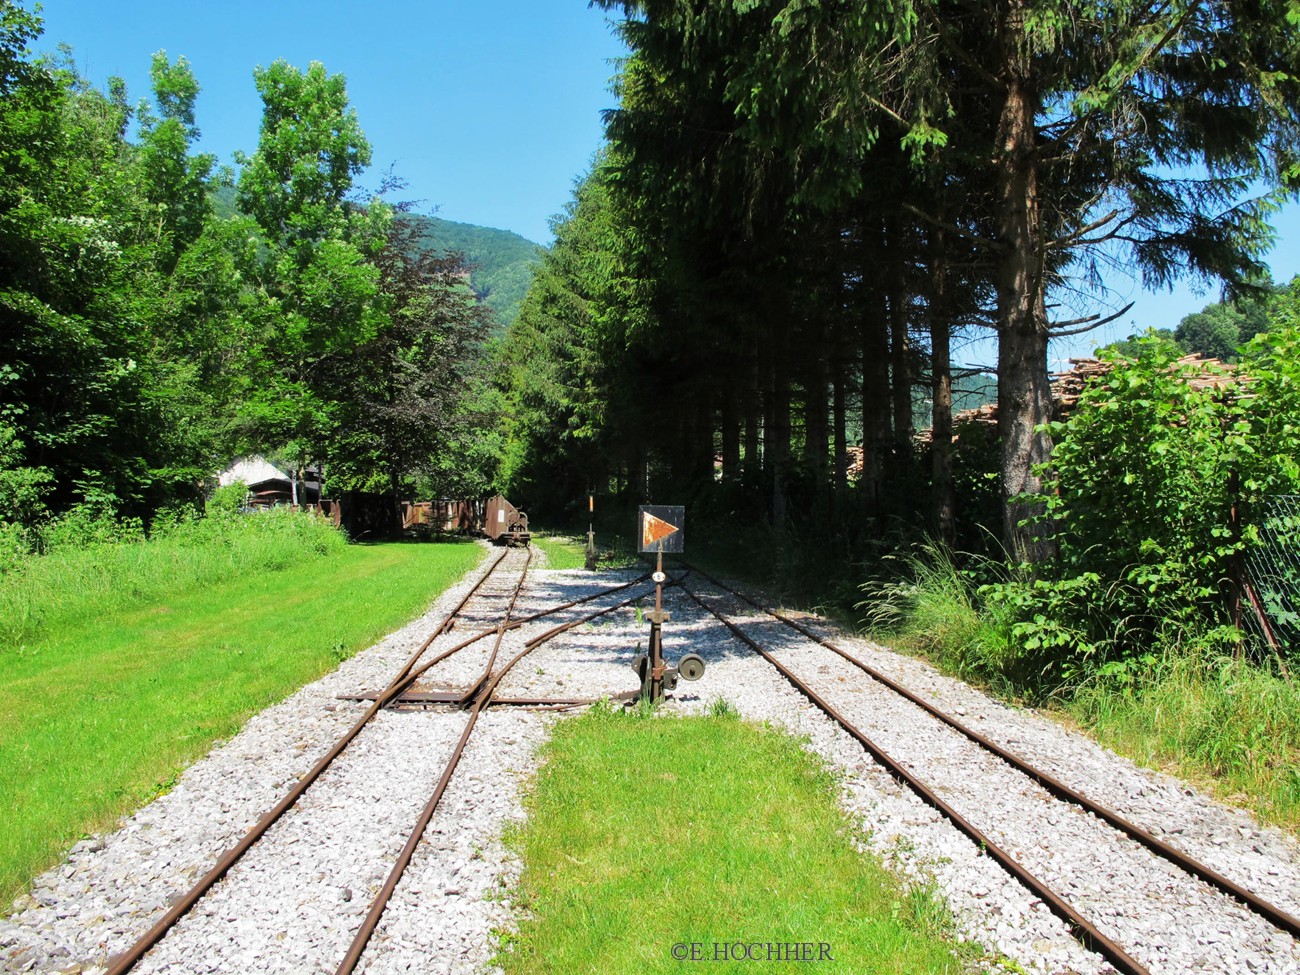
point(21, 488)
point(1139, 499)
point(86, 525)
point(1140, 491)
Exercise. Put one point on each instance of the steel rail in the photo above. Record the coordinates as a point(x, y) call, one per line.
point(505, 618)
point(405, 695)
point(513, 625)
point(1082, 929)
point(124, 962)
point(1270, 912)
point(380, 903)
point(481, 701)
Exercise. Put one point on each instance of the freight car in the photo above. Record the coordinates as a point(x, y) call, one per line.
point(494, 518)
point(504, 523)
point(444, 515)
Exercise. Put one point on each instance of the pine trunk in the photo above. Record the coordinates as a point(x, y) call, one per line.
point(730, 423)
point(1024, 392)
point(841, 437)
point(875, 409)
point(941, 397)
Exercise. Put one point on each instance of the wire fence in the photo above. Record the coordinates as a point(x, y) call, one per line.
point(1271, 584)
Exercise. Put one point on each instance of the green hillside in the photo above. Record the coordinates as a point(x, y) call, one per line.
point(501, 262)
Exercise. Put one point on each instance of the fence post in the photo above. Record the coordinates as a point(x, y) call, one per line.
point(1237, 570)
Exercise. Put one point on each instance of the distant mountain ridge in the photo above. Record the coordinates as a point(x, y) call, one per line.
point(501, 261)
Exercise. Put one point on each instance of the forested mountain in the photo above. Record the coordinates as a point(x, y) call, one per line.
point(501, 263)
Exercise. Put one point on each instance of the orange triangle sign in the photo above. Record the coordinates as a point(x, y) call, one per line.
point(653, 529)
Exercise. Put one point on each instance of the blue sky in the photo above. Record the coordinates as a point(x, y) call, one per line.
point(489, 109)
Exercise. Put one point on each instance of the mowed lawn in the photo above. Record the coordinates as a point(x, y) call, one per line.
point(95, 719)
point(711, 845)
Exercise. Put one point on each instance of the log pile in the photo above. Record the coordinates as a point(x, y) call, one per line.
point(1067, 387)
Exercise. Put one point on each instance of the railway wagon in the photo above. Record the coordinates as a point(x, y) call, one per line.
point(504, 523)
point(444, 515)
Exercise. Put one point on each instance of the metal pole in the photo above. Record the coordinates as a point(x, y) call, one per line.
point(591, 534)
point(656, 633)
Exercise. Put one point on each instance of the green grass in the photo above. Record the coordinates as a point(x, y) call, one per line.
point(570, 551)
point(562, 551)
point(97, 716)
point(1222, 722)
point(646, 834)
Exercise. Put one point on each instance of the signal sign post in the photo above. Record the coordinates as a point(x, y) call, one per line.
point(660, 529)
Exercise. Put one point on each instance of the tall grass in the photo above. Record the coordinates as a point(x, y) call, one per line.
point(1223, 721)
point(931, 606)
point(1232, 725)
point(108, 573)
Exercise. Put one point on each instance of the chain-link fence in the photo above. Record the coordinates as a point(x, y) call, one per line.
point(1270, 597)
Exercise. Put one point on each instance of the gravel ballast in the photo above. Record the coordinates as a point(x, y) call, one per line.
point(293, 903)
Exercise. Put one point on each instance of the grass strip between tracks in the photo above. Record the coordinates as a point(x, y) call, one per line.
point(671, 845)
point(96, 718)
point(562, 551)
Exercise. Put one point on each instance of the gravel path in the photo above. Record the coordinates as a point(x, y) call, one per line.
point(294, 902)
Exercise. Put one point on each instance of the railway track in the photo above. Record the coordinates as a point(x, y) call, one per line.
point(1031, 797)
point(371, 861)
point(487, 638)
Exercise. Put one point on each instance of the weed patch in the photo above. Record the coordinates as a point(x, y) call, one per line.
point(1217, 720)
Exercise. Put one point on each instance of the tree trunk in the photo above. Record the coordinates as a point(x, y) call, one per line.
point(704, 453)
point(816, 432)
point(900, 360)
point(776, 427)
point(941, 395)
point(753, 415)
point(841, 437)
point(875, 408)
point(730, 423)
point(641, 474)
point(1024, 393)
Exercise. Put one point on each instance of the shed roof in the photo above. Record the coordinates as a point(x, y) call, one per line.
point(251, 470)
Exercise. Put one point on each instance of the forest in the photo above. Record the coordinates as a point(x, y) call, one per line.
point(802, 206)
point(749, 308)
point(148, 339)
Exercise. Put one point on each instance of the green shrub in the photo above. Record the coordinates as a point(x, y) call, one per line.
point(89, 524)
point(1143, 479)
point(21, 488)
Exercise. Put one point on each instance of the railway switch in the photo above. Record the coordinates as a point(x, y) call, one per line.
point(661, 528)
